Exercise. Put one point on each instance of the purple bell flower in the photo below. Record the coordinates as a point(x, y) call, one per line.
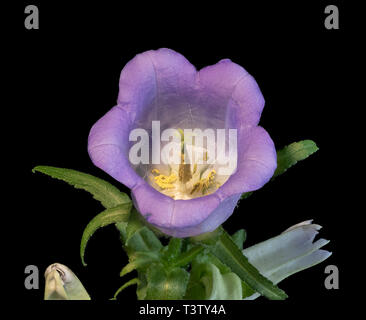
point(163, 86)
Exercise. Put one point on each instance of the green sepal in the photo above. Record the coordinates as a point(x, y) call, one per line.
point(143, 240)
point(120, 213)
point(140, 261)
point(172, 250)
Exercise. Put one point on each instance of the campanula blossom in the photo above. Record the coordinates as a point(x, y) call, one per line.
point(189, 198)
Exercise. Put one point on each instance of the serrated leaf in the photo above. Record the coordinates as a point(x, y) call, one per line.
point(140, 261)
point(163, 284)
point(127, 229)
point(124, 286)
point(117, 214)
point(246, 290)
point(229, 254)
point(101, 190)
point(291, 154)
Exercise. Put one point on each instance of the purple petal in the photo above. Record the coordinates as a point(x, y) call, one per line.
point(229, 87)
point(155, 85)
point(216, 213)
point(257, 161)
point(156, 207)
point(108, 146)
point(182, 218)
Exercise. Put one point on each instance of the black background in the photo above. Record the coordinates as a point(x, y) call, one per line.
point(64, 77)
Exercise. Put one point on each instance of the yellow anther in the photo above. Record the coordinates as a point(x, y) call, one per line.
point(164, 181)
point(205, 183)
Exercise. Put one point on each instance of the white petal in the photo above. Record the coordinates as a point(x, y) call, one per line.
point(288, 253)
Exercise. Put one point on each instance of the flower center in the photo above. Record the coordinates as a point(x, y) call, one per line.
point(189, 179)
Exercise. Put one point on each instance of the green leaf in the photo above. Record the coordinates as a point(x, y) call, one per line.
point(172, 250)
point(228, 252)
point(117, 214)
point(239, 238)
point(196, 289)
point(143, 240)
point(124, 286)
point(140, 261)
point(101, 190)
point(291, 154)
point(134, 223)
point(163, 284)
point(141, 286)
point(246, 290)
point(188, 256)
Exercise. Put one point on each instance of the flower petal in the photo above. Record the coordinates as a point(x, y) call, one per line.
point(108, 146)
point(290, 252)
point(187, 217)
point(257, 161)
point(155, 85)
point(156, 207)
point(229, 87)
